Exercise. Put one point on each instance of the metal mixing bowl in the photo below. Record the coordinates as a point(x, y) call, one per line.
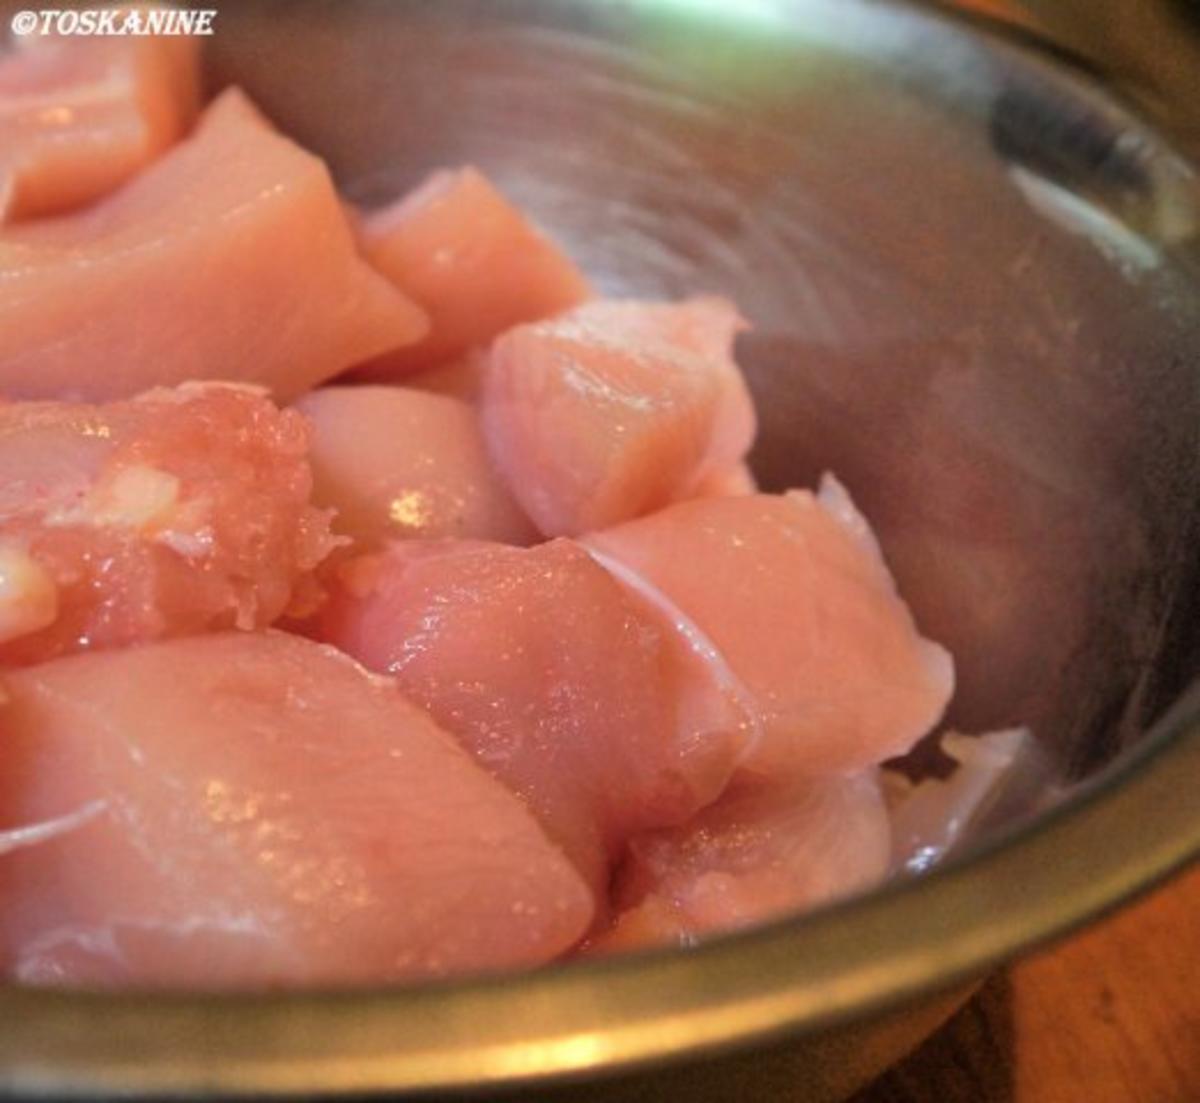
point(973, 276)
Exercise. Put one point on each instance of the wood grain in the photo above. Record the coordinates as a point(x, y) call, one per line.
point(1112, 1016)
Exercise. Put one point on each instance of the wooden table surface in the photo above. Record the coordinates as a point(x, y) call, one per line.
point(1111, 1016)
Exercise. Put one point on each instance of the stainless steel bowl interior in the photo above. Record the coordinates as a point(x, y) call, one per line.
point(973, 279)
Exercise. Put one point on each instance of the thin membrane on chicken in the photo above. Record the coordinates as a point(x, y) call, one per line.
point(795, 598)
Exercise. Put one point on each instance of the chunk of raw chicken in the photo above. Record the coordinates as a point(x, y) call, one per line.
point(556, 680)
point(463, 252)
point(764, 850)
point(704, 326)
point(176, 512)
point(616, 409)
point(458, 378)
point(731, 483)
point(399, 463)
point(255, 809)
point(80, 116)
point(228, 258)
point(794, 598)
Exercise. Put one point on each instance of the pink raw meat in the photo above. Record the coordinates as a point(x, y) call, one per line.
point(704, 326)
point(732, 483)
point(616, 409)
point(472, 260)
point(764, 850)
point(228, 258)
point(458, 378)
point(792, 593)
point(394, 462)
point(179, 511)
point(254, 809)
point(554, 678)
point(79, 116)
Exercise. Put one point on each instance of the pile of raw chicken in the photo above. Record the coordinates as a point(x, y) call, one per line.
point(376, 603)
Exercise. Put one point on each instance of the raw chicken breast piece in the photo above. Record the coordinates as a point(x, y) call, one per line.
point(176, 512)
point(255, 809)
point(764, 850)
point(705, 326)
point(458, 378)
point(461, 250)
point(734, 482)
point(79, 116)
point(399, 463)
point(557, 681)
point(795, 598)
point(228, 258)
point(615, 409)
